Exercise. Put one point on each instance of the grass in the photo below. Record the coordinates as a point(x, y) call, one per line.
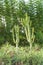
point(8, 55)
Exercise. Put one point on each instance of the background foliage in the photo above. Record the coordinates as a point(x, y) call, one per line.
point(12, 10)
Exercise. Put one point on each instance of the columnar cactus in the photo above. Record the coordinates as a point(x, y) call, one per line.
point(15, 30)
point(29, 31)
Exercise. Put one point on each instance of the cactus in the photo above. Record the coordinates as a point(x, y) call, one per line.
point(16, 38)
point(29, 31)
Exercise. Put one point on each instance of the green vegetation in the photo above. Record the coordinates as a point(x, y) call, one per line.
point(21, 32)
point(8, 55)
point(16, 36)
point(27, 27)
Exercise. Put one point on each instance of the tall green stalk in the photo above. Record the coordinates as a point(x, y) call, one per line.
point(29, 31)
point(15, 34)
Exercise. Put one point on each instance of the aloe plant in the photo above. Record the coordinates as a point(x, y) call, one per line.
point(29, 30)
